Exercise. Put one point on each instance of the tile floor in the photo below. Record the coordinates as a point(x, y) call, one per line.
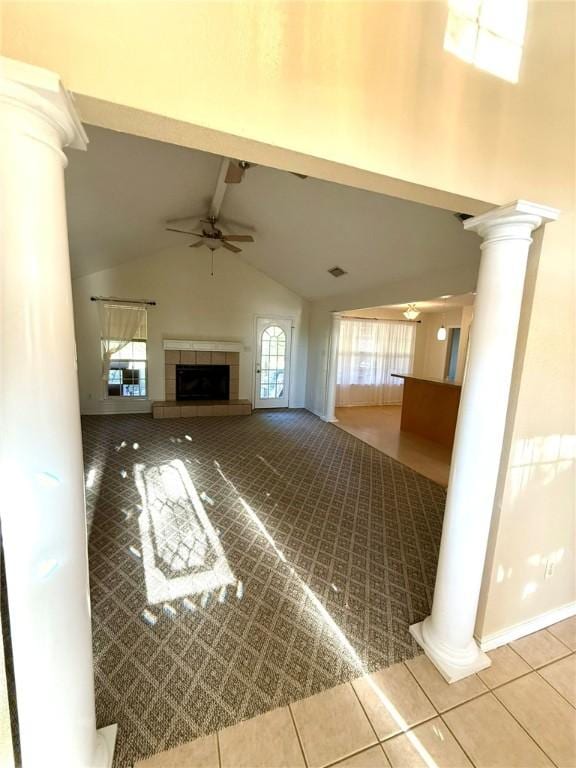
point(519, 713)
point(379, 426)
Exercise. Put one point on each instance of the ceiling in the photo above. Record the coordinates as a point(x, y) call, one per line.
point(439, 304)
point(120, 192)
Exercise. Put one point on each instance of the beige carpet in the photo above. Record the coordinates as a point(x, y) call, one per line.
point(241, 563)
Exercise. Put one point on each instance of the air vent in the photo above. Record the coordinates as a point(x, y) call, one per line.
point(337, 271)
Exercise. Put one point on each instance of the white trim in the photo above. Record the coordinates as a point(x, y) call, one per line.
point(451, 671)
point(321, 416)
point(203, 346)
point(273, 318)
point(495, 640)
point(331, 383)
point(107, 737)
point(41, 89)
point(517, 208)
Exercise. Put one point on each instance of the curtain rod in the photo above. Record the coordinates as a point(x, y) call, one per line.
point(381, 319)
point(122, 301)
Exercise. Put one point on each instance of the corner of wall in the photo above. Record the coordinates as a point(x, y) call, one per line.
point(529, 580)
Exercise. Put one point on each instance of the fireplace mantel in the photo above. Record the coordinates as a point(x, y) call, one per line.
point(202, 346)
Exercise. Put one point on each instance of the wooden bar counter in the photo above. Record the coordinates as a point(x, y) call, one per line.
point(430, 408)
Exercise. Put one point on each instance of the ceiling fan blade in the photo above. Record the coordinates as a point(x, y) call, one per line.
point(234, 173)
point(238, 238)
point(197, 244)
point(231, 247)
point(182, 231)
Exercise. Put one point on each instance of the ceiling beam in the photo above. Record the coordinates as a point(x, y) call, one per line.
point(220, 190)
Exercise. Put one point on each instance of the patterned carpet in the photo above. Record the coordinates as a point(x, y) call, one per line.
point(241, 563)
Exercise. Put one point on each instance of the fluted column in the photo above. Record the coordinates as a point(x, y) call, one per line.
point(447, 634)
point(41, 469)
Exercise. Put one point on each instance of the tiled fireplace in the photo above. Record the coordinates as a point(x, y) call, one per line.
point(191, 363)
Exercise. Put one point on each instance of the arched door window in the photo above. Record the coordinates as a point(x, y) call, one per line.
point(272, 363)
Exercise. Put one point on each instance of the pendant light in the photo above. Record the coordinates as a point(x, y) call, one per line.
point(411, 312)
point(441, 333)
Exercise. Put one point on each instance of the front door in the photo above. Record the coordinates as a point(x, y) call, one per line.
point(273, 346)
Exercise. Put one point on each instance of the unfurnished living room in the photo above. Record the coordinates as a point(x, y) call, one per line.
point(287, 434)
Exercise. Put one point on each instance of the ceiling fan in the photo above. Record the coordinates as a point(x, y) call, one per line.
point(211, 235)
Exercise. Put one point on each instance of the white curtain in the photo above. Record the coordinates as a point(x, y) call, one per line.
point(369, 352)
point(119, 325)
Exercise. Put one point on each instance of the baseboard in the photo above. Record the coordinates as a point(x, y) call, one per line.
point(321, 416)
point(108, 736)
point(495, 640)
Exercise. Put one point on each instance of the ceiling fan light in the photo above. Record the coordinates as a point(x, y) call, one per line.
point(411, 312)
point(441, 334)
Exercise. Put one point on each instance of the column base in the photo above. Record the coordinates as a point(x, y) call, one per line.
point(107, 742)
point(451, 672)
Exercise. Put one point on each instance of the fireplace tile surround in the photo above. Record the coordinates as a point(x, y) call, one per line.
point(171, 408)
point(172, 358)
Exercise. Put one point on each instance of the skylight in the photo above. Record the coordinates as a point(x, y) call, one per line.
point(488, 34)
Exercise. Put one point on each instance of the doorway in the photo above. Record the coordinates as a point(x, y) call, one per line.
point(273, 353)
point(452, 354)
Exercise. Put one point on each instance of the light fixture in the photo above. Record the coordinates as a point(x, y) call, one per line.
point(411, 312)
point(441, 332)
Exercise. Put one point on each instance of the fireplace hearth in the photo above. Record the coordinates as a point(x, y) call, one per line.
point(202, 382)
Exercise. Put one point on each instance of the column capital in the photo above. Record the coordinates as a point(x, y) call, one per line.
point(512, 221)
point(41, 91)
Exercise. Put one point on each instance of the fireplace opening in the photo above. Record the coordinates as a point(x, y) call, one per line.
point(202, 382)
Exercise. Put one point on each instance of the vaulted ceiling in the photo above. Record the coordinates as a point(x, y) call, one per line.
point(121, 191)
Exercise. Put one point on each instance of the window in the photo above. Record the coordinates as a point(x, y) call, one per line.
point(127, 372)
point(369, 352)
point(272, 363)
point(488, 34)
point(124, 332)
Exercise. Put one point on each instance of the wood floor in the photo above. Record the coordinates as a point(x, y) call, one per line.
point(379, 426)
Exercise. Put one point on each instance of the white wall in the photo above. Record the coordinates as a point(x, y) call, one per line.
point(433, 364)
point(443, 125)
point(426, 286)
point(190, 305)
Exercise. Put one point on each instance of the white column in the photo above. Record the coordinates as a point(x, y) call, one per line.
point(332, 369)
point(41, 470)
point(447, 634)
